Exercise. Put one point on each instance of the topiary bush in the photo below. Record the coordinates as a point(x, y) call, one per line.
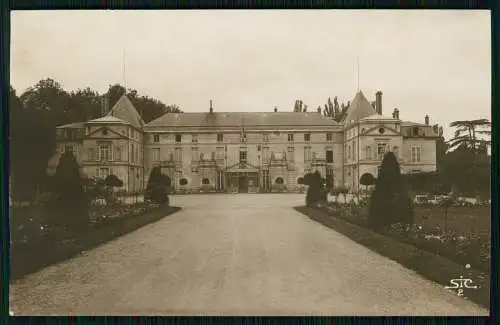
point(71, 204)
point(158, 186)
point(390, 202)
point(316, 192)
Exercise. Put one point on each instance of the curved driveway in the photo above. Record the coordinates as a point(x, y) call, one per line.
point(245, 254)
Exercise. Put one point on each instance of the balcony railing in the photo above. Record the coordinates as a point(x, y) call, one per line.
point(320, 161)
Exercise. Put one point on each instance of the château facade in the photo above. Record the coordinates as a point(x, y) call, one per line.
point(246, 152)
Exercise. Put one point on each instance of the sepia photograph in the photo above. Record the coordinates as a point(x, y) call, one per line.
point(250, 163)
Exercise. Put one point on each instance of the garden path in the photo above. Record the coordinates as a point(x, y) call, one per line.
point(247, 254)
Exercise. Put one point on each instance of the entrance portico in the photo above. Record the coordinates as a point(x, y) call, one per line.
point(243, 178)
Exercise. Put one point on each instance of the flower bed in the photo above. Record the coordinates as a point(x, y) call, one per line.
point(424, 261)
point(35, 245)
point(464, 241)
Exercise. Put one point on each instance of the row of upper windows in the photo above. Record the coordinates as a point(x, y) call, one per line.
point(265, 137)
point(266, 154)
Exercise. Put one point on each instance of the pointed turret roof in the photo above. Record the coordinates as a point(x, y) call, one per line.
point(360, 108)
point(125, 110)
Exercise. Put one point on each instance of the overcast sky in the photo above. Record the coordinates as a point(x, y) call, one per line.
point(425, 62)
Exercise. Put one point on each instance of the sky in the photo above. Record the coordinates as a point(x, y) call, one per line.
point(425, 62)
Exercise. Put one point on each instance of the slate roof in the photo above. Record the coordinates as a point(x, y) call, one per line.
point(360, 108)
point(108, 119)
point(410, 123)
point(77, 125)
point(237, 119)
point(125, 110)
point(377, 116)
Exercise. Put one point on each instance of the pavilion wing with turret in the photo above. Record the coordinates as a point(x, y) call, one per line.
point(246, 152)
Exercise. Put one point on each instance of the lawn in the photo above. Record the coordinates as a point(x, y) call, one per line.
point(462, 220)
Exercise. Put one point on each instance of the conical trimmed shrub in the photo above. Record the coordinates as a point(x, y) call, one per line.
point(390, 202)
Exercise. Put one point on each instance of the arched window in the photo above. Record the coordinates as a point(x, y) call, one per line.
point(183, 181)
point(279, 180)
point(205, 181)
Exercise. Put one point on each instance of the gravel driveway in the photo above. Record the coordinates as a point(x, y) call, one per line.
point(246, 254)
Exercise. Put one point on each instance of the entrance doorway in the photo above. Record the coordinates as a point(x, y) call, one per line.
point(243, 184)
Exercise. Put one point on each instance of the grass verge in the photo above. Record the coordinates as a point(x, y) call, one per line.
point(27, 258)
point(428, 265)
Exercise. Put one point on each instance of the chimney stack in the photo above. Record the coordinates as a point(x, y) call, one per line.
point(275, 109)
point(211, 108)
point(378, 102)
point(395, 114)
point(104, 105)
point(426, 119)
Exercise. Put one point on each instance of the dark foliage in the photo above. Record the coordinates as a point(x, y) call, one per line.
point(316, 191)
point(390, 202)
point(158, 186)
point(113, 181)
point(28, 158)
point(367, 179)
point(71, 204)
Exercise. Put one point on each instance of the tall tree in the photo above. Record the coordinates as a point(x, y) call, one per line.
point(48, 96)
point(32, 143)
point(467, 134)
point(333, 110)
point(114, 93)
point(85, 105)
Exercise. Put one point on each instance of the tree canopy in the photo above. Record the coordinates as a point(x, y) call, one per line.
point(38, 110)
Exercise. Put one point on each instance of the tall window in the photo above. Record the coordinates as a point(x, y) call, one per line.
point(156, 138)
point(220, 137)
point(178, 138)
point(194, 154)
point(132, 153)
point(415, 153)
point(290, 136)
point(243, 156)
point(354, 150)
point(265, 137)
point(104, 152)
point(194, 138)
point(219, 153)
point(307, 154)
point(69, 148)
point(156, 154)
point(349, 152)
point(118, 153)
point(91, 154)
point(368, 153)
point(329, 156)
point(329, 136)
point(265, 154)
point(291, 154)
point(178, 154)
point(307, 137)
point(381, 148)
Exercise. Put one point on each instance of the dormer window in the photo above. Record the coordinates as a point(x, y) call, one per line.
point(415, 130)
